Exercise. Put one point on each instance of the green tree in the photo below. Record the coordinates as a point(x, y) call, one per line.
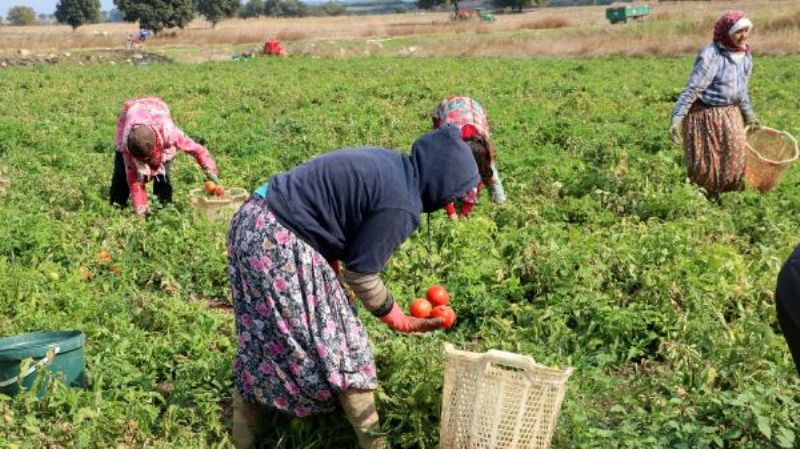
point(78, 12)
point(22, 15)
point(430, 4)
point(216, 10)
point(115, 15)
point(516, 5)
point(157, 15)
point(329, 9)
point(286, 8)
point(253, 8)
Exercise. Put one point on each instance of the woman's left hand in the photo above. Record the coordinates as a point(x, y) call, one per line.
point(400, 322)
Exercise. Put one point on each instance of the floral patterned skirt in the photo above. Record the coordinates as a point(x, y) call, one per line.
point(714, 141)
point(300, 340)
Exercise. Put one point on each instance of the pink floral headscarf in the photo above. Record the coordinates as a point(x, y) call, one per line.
point(722, 30)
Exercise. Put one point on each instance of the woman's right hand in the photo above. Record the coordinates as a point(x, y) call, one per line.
point(675, 133)
point(400, 322)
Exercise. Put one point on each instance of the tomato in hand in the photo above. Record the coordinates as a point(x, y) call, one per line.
point(437, 295)
point(219, 190)
point(446, 313)
point(210, 187)
point(420, 308)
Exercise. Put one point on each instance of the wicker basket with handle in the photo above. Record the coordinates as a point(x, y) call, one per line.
point(499, 400)
point(769, 153)
point(217, 208)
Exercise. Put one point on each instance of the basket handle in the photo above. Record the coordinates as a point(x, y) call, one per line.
point(46, 360)
point(510, 359)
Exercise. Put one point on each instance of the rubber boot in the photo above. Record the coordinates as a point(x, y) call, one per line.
point(246, 418)
point(359, 407)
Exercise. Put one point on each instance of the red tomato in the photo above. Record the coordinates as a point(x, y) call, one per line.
point(446, 313)
point(420, 308)
point(438, 295)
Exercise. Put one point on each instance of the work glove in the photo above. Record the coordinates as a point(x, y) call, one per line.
point(142, 211)
point(497, 192)
point(400, 322)
point(676, 132)
point(752, 123)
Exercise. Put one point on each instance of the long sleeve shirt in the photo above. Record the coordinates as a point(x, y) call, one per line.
point(717, 80)
point(154, 112)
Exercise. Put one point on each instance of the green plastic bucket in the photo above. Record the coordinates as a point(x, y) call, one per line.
point(60, 353)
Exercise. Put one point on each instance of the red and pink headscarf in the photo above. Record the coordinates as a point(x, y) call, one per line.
point(729, 23)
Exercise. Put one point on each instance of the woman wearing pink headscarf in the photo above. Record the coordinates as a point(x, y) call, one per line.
point(145, 143)
point(714, 108)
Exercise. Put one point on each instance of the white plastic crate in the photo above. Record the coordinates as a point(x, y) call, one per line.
point(499, 400)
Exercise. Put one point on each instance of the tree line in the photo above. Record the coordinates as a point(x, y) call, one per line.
point(157, 16)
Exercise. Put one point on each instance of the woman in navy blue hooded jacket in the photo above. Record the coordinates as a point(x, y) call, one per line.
point(301, 344)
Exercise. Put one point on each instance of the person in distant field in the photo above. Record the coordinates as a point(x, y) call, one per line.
point(301, 345)
point(145, 143)
point(137, 40)
point(470, 117)
point(712, 111)
point(787, 304)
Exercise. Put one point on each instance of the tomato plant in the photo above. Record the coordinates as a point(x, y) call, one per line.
point(604, 258)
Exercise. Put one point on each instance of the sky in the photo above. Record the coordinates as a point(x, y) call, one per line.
point(43, 6)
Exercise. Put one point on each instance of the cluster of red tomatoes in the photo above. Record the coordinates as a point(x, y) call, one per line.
point(434, 305)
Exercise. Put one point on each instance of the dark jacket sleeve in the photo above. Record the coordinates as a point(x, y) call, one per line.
point(377, 238)
point(788, 289)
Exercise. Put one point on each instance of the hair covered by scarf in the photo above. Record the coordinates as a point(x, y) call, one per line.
point(722, 30)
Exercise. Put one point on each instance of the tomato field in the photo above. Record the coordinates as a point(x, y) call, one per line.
point(605, 258)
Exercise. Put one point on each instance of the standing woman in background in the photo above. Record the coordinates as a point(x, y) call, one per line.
point(712, 111)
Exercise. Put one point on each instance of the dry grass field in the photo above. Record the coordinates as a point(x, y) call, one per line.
point(673, 29)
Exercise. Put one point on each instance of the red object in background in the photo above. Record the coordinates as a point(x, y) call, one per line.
point(446, 313)
point(273, 47)
point(437, 295)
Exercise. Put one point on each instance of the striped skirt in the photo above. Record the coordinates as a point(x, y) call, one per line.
point(714, 142)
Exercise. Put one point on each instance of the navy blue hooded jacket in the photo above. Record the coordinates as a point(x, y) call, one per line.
point(359, 205)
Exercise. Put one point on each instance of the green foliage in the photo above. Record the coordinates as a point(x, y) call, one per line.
point(286, 8)
point(517, 5)
point(430, 4)
point(328, 9)
point(78, 12)
point(216, 10)
point(157, 15)
point(604, 259)
point(21, 15)
point(253, 8)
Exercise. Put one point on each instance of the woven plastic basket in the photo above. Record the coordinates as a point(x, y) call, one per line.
point(769, 152)
point(215, 208)
point(499, 400)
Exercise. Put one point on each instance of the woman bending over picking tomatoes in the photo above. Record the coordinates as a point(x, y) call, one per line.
point(301, 344)
point(470, 117)
point(145, 144)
